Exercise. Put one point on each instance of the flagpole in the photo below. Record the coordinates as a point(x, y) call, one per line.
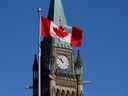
point(39, 52)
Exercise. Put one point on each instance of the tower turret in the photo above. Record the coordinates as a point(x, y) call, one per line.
point(35, 76)
point(79, 73)
point(78, 65)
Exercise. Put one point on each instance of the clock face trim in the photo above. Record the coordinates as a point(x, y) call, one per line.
point(62, 62)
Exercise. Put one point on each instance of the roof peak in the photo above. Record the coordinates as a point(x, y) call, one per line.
point(56, 12)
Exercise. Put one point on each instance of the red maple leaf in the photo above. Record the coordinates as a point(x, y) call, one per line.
point(60, 32)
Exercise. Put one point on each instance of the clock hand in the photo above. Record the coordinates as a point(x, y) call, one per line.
point(61, 60)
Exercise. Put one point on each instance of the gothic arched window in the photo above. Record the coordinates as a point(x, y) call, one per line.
point(58, 92)
point(63, 93)
point(68, 93)
point(73, 93)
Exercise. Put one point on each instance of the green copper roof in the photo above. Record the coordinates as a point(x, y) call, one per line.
point(56, 14)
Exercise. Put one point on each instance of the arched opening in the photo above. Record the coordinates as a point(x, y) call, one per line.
point(58, 92)
point(63, 93)
point(73, 93)
point(68, 93)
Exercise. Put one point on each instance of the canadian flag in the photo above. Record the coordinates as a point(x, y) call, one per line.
point(49, 29)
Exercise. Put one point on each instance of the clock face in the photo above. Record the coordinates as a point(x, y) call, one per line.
point(62, 62)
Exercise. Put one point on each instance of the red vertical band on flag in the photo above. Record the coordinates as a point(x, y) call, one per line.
point(76, 39)
point(44, 27)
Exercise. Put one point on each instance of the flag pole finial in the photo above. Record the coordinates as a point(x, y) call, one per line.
point(39, 11)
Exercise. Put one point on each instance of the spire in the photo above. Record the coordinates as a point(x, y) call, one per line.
point(56, 12)
point(78, 59)
point(35, 63)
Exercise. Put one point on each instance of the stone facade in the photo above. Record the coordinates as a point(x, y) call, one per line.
point(56, 81)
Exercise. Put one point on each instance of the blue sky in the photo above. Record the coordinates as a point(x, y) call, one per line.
point(104, 51)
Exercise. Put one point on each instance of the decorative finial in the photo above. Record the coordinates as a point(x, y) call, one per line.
point(78, 60)
point(39, 11)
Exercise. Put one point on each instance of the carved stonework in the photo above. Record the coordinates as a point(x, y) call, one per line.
point(56, 81)
point(58, 62)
